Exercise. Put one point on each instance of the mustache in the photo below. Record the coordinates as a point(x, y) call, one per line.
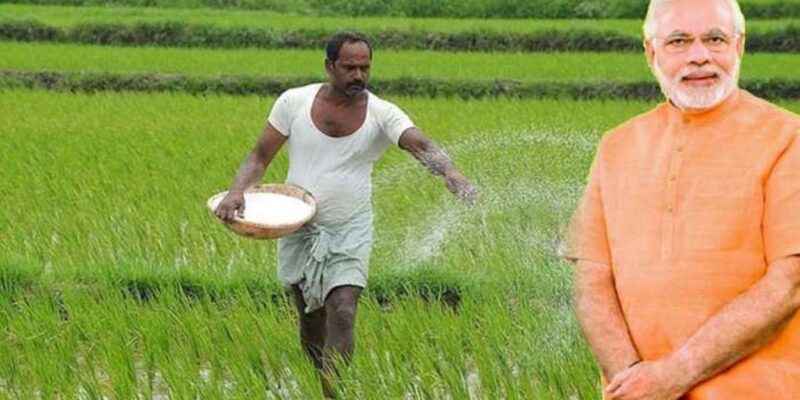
point(711, 70)
point(358, 84)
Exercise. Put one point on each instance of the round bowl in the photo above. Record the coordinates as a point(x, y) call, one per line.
point(255, 230)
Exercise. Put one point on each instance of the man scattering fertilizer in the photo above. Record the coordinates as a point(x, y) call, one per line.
point(335, 132)
point(688, 234)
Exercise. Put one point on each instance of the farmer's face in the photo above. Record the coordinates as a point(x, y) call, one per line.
point(349, 74)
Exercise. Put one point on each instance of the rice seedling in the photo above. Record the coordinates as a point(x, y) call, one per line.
point(538, 67)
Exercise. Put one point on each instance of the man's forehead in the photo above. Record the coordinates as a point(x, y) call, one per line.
point(695, 17)
point(358, 61)
point(353, 50)
point(716, 31)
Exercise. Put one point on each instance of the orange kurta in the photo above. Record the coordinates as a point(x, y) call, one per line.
point(689, 210)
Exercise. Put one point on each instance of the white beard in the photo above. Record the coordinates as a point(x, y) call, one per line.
point(698, 98)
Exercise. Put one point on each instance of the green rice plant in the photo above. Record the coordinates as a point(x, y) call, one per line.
point(62, 16)
point(386, 64)
point(112, 346)
point(67, 16)
point(451, 8)
point(125, 182)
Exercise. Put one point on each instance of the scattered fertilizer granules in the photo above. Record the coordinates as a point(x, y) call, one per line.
point(273, 209)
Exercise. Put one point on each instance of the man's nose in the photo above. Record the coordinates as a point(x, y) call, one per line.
point(698, 53)
point(359, 74)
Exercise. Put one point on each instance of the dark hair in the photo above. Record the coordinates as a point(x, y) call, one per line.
point(338, 39)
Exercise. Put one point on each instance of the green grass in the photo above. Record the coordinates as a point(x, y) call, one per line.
point(122, 179)
point(65, 16)
point(451, 8)
point(114, 185)
point(386, 64)
point(70, 16)
point(115, 347)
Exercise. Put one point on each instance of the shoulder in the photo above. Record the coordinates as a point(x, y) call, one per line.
point(769, 116)
point(758, 105)
point(297, 94)
point(769, 127)
point(380, 106)
point(388, 114)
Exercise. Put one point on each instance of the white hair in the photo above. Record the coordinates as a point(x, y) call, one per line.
point(651, 26)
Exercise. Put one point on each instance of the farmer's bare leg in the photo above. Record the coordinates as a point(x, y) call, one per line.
point(340, 312)
point(312, 328)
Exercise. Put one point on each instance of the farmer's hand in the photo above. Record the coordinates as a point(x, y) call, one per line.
point(460, 187)
point(231, 206)
point(648, 380)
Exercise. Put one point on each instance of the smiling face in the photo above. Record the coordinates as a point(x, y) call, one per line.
point(350, 72)
point(696, 52)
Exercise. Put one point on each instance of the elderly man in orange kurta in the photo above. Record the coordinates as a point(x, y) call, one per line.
point(688, 234)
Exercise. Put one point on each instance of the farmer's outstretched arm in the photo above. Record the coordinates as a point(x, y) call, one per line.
point(438, 163)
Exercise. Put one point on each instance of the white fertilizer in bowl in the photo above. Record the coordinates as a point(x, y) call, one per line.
point(273, 209)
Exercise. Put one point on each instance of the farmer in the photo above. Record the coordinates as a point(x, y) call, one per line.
point(688, 233)
point(335, 132)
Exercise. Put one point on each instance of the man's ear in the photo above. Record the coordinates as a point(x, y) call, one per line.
point(740, 45)
point(649, 52)
point(329, 66)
